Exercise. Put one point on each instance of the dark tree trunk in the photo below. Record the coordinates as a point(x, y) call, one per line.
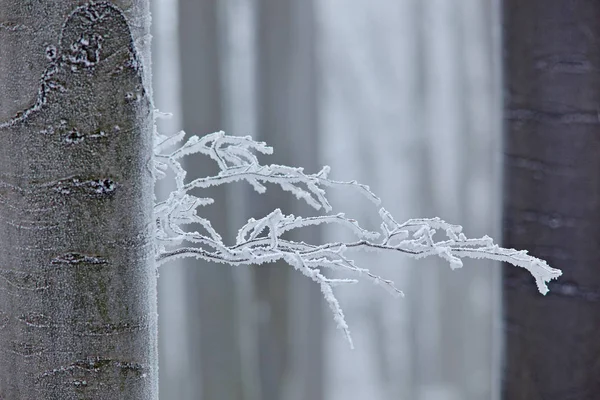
point(552, 197)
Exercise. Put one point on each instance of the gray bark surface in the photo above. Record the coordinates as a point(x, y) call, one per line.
point(552, 197)
point(77, 283)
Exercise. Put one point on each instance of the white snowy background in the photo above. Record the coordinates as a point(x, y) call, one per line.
point(401, 95)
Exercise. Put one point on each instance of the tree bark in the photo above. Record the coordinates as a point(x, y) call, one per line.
point(552, 197)
point(77, 279)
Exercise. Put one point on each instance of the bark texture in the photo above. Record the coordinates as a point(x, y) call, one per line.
point(552, 197)
point(77, 282)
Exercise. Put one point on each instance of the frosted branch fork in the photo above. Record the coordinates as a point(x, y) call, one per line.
point(260, 241)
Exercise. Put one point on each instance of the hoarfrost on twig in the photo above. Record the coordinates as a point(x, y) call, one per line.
point(260, 241)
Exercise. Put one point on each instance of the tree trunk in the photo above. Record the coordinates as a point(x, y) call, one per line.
point(212, 344)
point(77, 279)
point(290, 323)
point(552, 197)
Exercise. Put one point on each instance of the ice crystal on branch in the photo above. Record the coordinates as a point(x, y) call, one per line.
point(260, 241)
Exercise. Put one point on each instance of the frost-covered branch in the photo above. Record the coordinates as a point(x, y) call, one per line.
point(260, 241)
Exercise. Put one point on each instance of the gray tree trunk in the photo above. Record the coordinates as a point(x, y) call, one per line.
point(552, 197)
point(77, 283)
point(290, 323)
point(212, 343)
point(238, 55)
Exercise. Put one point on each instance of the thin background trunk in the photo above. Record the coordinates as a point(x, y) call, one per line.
point(238, 57)
point(77, 284)
point(250, 333)
point(212, 328)
point(290, 318)
point(173, 309)
point(552, 197)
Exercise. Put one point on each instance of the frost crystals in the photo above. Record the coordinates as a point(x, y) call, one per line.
point(260, 241)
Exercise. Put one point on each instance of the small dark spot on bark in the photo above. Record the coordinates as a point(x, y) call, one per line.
point(93, 363)
point(51, 53)
point(104, 185)
point(132, 63)
point(100, 187)
point(127, 367)
point(74, 137)
point(85, 51)
point(98, 134)
point(77, 258)
point(78, 383)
